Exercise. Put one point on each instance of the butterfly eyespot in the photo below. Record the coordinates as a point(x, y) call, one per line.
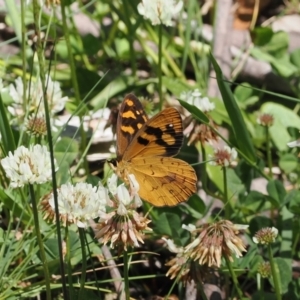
point(145, 148)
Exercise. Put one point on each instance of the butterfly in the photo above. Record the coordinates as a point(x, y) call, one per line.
point(145, 148)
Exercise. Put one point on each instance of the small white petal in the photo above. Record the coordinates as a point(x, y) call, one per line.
point(189, 227)
point(294, 144)
point(112, 184)
point(194, 244)
point(123, 195)
point(171, 246)
point(275, 231)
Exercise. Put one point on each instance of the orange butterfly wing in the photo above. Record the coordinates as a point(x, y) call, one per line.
point(144, 147)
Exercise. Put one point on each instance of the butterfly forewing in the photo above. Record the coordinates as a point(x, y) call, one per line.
point(159, 136)
point(130, 119)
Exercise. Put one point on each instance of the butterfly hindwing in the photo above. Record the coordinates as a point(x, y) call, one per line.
point(164, 180)
point(130, 119)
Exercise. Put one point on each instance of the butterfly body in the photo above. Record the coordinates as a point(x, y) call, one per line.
point(145, 148)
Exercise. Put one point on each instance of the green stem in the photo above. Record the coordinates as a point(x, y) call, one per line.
point(269, 157)
point(40, 54)
point(24, 58)
point(130, 37)
point(167, 56)
point(234, 278)
point(159, 66)
point(126, 277)
point(227, 205)
point(204, 176)
point(275, 272)
point(83, 267)
point(40, 241)
point(75, 86)
point(68, 260)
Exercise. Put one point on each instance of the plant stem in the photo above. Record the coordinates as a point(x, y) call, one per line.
point(234, 278)
point(275, 272)
point(83, 268)
point(269, 158)
point(159, 66)
point(126, 278)
point(75, 86)
point(68, 261)
point(40, 241)
point(130, 37)
point(227, 206)
point(40, 54)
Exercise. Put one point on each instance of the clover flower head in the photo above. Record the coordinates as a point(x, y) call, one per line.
point(34, 94)
point(160, 11)
point(223, 157)
point(36, 124)
point(28, 166)
point(195, 98)
point(77, 203)
point(214, 242)
point(265, 120)
point(122, 226)
point(265, 235)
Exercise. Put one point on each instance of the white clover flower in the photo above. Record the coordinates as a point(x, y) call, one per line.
point(223, 157)
point(48, 3)
point(195, 98)
point(122, 225)
point(34, 96)
point(160, 11)
point(122, 196)
point(265, 235)
point(79, 203)
point(28, 166)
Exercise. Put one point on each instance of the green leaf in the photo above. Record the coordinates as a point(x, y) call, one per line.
point(253, 202)
point(258, 223)
point(295, 57)
point(10, 202)
point(293, 200)
point(168, 224)
point(283, 118)
point(196, 112)
point(276, 190)
point(66, 150)
point(7, 137)
point(238, 125)
point(175, 85)
point(245, 95)
point(284, 273)
point(274, 43)
point(288, 162)
point(195, 207)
